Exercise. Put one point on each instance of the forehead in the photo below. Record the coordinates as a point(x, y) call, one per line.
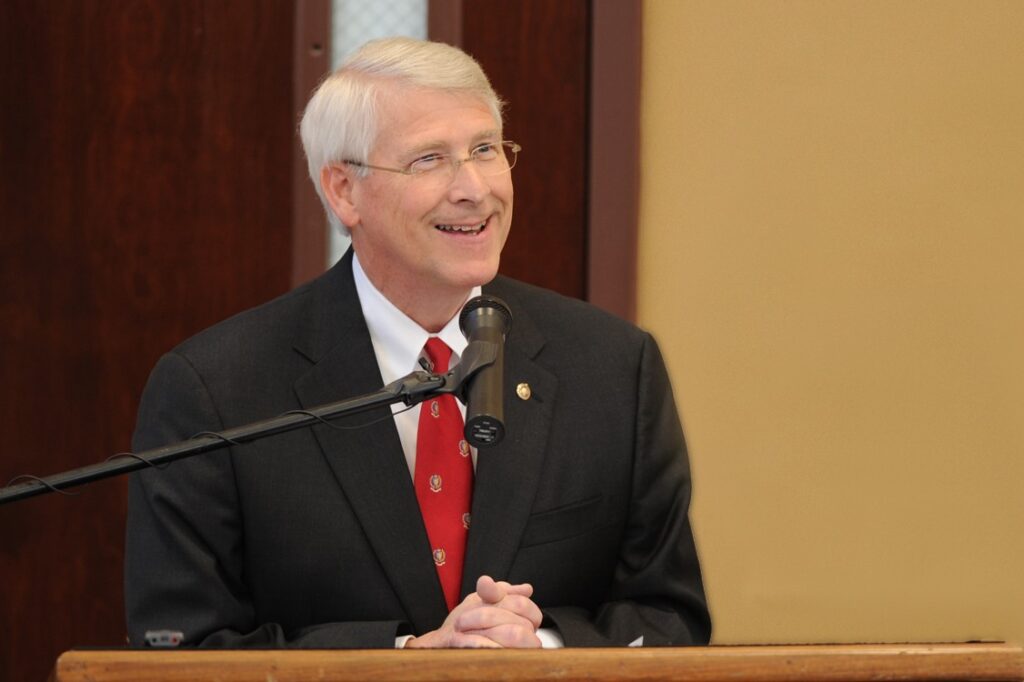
point(414, 115)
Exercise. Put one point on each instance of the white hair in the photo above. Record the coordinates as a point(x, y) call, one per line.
point(340, 121)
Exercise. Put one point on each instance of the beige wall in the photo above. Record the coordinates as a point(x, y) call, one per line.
point(832, 257)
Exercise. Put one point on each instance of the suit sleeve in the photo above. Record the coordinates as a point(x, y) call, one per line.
point(657, 591)
point(184, 546)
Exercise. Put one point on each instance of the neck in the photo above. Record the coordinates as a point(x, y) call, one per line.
point(430, 307)
point(433, 313)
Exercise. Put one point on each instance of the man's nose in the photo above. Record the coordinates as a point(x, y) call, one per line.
point(468, 183)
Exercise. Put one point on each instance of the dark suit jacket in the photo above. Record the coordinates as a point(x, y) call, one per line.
point(314, 538)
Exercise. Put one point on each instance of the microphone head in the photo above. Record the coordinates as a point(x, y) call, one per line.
point(485, 321)
point(485, 311)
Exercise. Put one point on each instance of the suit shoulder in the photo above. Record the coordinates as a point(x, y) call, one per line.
point(559, 315)
point(254, 336)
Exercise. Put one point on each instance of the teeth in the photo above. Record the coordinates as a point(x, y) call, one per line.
point(461, 228)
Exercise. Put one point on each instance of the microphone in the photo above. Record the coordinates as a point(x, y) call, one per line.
point(486, 319)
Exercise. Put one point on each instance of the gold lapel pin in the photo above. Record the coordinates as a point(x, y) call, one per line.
point(523, 391)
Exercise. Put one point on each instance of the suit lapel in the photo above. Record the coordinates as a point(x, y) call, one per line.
point(368, 462)
point(507, 475)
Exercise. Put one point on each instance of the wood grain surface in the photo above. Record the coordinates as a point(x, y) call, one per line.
point(839, 663)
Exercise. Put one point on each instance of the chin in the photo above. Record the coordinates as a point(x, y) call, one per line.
point(475, 277)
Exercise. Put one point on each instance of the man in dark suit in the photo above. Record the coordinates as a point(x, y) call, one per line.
point(577, 531)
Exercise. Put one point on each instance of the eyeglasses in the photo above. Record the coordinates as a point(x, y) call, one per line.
point(491, 158)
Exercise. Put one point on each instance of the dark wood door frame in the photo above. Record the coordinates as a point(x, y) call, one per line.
point(311, 60)
point(613, 147)
point(614, 192)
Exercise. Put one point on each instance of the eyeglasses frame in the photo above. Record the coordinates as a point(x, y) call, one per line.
point(514, 147)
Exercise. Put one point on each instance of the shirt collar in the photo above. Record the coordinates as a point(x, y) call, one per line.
point(397, 340)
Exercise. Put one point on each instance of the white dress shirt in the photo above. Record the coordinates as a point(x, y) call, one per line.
point(398, 343)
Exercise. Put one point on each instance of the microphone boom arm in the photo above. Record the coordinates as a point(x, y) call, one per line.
point(411, 389)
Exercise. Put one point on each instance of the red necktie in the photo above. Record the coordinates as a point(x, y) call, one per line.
point(444, 478)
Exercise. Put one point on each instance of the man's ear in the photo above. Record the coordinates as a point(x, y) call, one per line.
point(337, 184)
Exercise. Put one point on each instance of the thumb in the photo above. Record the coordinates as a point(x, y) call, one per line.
point(488, 590)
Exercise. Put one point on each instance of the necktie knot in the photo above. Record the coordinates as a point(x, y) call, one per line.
point(438, 353)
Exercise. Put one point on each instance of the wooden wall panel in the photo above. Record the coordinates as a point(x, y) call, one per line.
point(145, 193)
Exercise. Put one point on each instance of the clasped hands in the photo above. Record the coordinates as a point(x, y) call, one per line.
point(498, 615)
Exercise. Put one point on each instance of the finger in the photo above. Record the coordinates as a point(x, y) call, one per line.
point(489, 590)
point(508, 636)
point(524, 607)
point(524, 589)
point(492, 591)
point(516, 603)
point(476, 640)
point(489, 617)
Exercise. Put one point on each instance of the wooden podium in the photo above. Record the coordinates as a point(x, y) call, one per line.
point(841, 663)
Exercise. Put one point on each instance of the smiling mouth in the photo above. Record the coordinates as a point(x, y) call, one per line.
point(475, 228)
